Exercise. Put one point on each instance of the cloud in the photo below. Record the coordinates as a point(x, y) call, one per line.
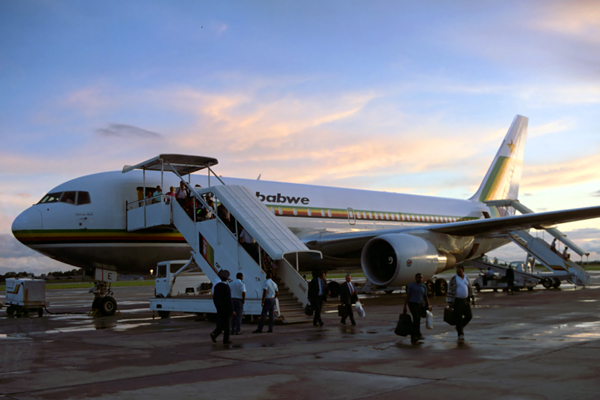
point(571, 172)
point(122, 130)
point(596, 194)
point(576, 19)
point(16, 257)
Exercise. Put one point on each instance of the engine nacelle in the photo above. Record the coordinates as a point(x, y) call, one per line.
point(394, 259)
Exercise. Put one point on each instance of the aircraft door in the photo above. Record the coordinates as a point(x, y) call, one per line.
point(351, 217)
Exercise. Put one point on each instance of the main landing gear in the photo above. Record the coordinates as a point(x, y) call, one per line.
point(439, 287)
point(104, 304)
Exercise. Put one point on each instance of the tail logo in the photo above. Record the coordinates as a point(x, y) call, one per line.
point(511, 146)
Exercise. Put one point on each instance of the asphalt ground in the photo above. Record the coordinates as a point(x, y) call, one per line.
point(543, 344)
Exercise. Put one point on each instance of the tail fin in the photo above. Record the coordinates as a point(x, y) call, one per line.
point(503, 178)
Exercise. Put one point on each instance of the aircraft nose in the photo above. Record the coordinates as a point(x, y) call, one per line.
point(29, 219)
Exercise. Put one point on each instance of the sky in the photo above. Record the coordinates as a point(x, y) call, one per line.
point(398, 96)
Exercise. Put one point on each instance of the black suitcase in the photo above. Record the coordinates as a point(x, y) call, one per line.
point(342, 311)
point(449, 317)
point(404, 325)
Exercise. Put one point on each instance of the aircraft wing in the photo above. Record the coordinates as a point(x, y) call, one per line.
point(341, 242)
point(516, 222)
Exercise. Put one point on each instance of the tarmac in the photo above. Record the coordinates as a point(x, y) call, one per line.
point(543, 344)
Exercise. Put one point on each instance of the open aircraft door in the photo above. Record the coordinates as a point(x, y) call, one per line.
point(351, 217)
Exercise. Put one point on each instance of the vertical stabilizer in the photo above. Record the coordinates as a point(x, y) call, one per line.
point(503, 177)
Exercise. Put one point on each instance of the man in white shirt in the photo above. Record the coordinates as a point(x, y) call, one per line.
point(459, 293)
point(270, 293)
point(249, 244)
point(238, 297)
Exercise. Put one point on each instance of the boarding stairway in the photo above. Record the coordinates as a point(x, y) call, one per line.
point(559, 267)
point(552, 260)
point(483, 263)
point(215, 246)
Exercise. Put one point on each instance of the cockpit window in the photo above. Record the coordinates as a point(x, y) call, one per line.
point(75, 198)
point(83, 198)
point(51, 198)
point(68, 197)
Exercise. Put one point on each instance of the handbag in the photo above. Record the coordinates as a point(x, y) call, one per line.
point(277, 310)
point(309, 310)
point(360, 310)
point(342, 311)
point(404, 325)
point(429, 320)
point(449, 317)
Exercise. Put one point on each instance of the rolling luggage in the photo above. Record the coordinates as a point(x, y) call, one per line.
point(404, 325)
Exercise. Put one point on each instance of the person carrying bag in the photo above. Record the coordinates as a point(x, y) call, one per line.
point(418, 304)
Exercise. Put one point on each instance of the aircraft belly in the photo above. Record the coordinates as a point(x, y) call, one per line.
point(125, 258)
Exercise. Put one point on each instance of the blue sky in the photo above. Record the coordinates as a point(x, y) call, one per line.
point(398, 96)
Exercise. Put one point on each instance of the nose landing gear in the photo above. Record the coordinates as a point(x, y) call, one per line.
point(104, 303)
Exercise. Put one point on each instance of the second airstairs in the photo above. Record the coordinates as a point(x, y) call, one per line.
point(215, 243)
point(560, 267)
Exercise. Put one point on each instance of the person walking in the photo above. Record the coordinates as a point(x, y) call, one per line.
point(317, 294)
point(417, 301)
point(510, 280)
point(348, 297)
point(270, 293)
point(238, 297)
point(222, 300)
point(459, 293)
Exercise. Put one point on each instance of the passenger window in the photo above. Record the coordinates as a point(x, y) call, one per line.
point(68, 197)
point(50, 198)
point(83, 198)
point(161, 271)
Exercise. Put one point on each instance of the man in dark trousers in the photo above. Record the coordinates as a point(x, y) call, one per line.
point(317, 294)
point(459, 293)
point(222, 300)
point(416, 299)
point(348, 297)
point(510, 280)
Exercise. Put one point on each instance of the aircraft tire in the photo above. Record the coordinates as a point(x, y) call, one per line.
point(441, 287)
point(430, 288)
point(10, 311)
point(108, 306)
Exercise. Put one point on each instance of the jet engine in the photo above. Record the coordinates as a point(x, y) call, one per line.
point(394, 259)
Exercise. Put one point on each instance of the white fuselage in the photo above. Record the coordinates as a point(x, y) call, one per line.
point(95, 234)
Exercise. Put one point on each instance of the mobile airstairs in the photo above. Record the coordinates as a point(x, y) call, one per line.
point(215, 246)
point(559, 267)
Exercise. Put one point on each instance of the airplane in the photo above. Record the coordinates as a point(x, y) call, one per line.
point(83, 222)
